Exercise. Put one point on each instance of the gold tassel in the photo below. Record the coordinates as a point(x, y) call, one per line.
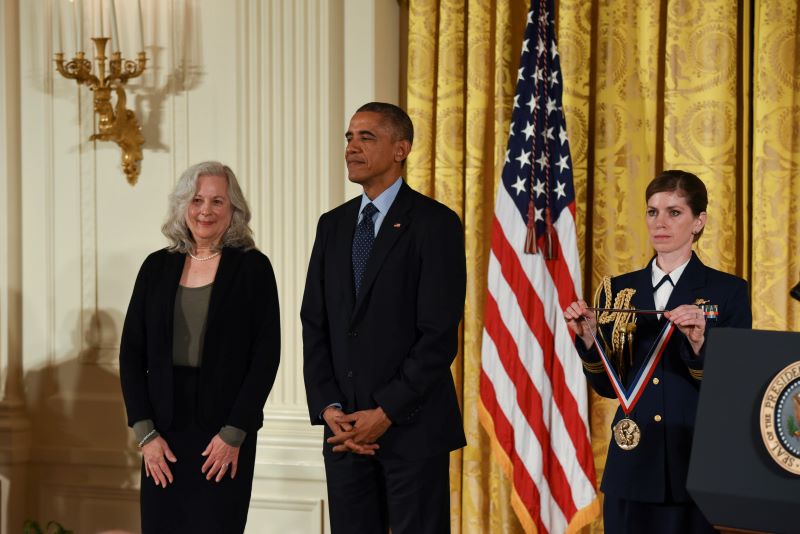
point(551, 255)
point(530, 235)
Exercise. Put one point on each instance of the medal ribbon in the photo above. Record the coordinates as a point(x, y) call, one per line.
point(630, 396)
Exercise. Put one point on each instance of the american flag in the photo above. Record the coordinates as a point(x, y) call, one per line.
point(532, 389)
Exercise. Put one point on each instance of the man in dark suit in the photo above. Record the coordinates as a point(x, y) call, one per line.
point(381, 310)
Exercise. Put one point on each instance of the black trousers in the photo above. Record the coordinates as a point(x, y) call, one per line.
point(622, 516)
point(192, 504)
point(370, 494)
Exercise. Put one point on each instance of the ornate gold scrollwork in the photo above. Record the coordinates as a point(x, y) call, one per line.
point(114, 123)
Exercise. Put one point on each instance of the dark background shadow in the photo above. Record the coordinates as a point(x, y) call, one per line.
point(84, 462)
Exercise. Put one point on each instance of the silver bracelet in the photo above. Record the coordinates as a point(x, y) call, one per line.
point(147, 437)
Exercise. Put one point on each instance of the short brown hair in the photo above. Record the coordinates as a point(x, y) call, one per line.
point(687, 185)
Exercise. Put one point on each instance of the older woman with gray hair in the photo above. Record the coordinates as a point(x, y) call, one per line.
point(199, 354)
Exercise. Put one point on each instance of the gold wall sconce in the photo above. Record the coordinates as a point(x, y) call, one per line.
point(114, 122)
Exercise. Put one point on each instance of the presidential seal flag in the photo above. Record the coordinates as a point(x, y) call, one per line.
point(532, 388)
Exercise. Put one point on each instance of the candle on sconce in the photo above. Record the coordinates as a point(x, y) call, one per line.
point(115, 44)
point(98, 20)
point(101, 68)
point(141, 26)
point(74, 24)
point(77, 11)
point(57, 23)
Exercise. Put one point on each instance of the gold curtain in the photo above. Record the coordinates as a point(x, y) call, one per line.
point(710, 86)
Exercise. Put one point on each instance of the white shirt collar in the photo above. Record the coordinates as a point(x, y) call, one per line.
point(657, 274)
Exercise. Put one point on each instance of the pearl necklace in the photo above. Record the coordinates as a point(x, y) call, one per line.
point(214, 255)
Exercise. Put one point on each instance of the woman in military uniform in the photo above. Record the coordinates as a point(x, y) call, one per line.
point(659, 364)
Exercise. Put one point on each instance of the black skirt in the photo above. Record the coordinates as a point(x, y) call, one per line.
point(191, 503)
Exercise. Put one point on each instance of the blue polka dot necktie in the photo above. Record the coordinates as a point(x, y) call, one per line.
point(362, 243)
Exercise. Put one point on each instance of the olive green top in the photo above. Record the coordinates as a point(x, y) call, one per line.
point(189, 324)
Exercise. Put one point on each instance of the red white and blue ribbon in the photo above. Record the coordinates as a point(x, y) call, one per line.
point(628, 397)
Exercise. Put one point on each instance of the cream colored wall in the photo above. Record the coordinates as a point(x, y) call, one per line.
point(265, 86)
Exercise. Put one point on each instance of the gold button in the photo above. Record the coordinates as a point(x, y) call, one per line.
point(657, 418)
point(656, 380)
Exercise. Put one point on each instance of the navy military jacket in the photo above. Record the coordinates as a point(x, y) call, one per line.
point(655, 471)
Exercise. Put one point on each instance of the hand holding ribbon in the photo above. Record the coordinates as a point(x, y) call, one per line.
point(691, 322)
point(582, 321)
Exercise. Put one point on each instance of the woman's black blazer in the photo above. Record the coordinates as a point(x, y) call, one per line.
point(241, 348)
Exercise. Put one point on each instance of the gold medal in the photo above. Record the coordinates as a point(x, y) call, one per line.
point(627, 434)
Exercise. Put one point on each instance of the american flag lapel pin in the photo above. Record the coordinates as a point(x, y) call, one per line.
point(396, 225)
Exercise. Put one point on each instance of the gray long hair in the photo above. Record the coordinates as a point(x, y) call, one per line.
point(238, 233)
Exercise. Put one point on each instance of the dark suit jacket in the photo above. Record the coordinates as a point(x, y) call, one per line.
point(394, 345)
point(656, 470)
point(241, 348)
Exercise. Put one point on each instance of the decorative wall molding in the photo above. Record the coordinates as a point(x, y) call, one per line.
point(287, 515)
point(87, 508)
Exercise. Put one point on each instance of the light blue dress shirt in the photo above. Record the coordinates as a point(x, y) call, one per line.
point(382, 202)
